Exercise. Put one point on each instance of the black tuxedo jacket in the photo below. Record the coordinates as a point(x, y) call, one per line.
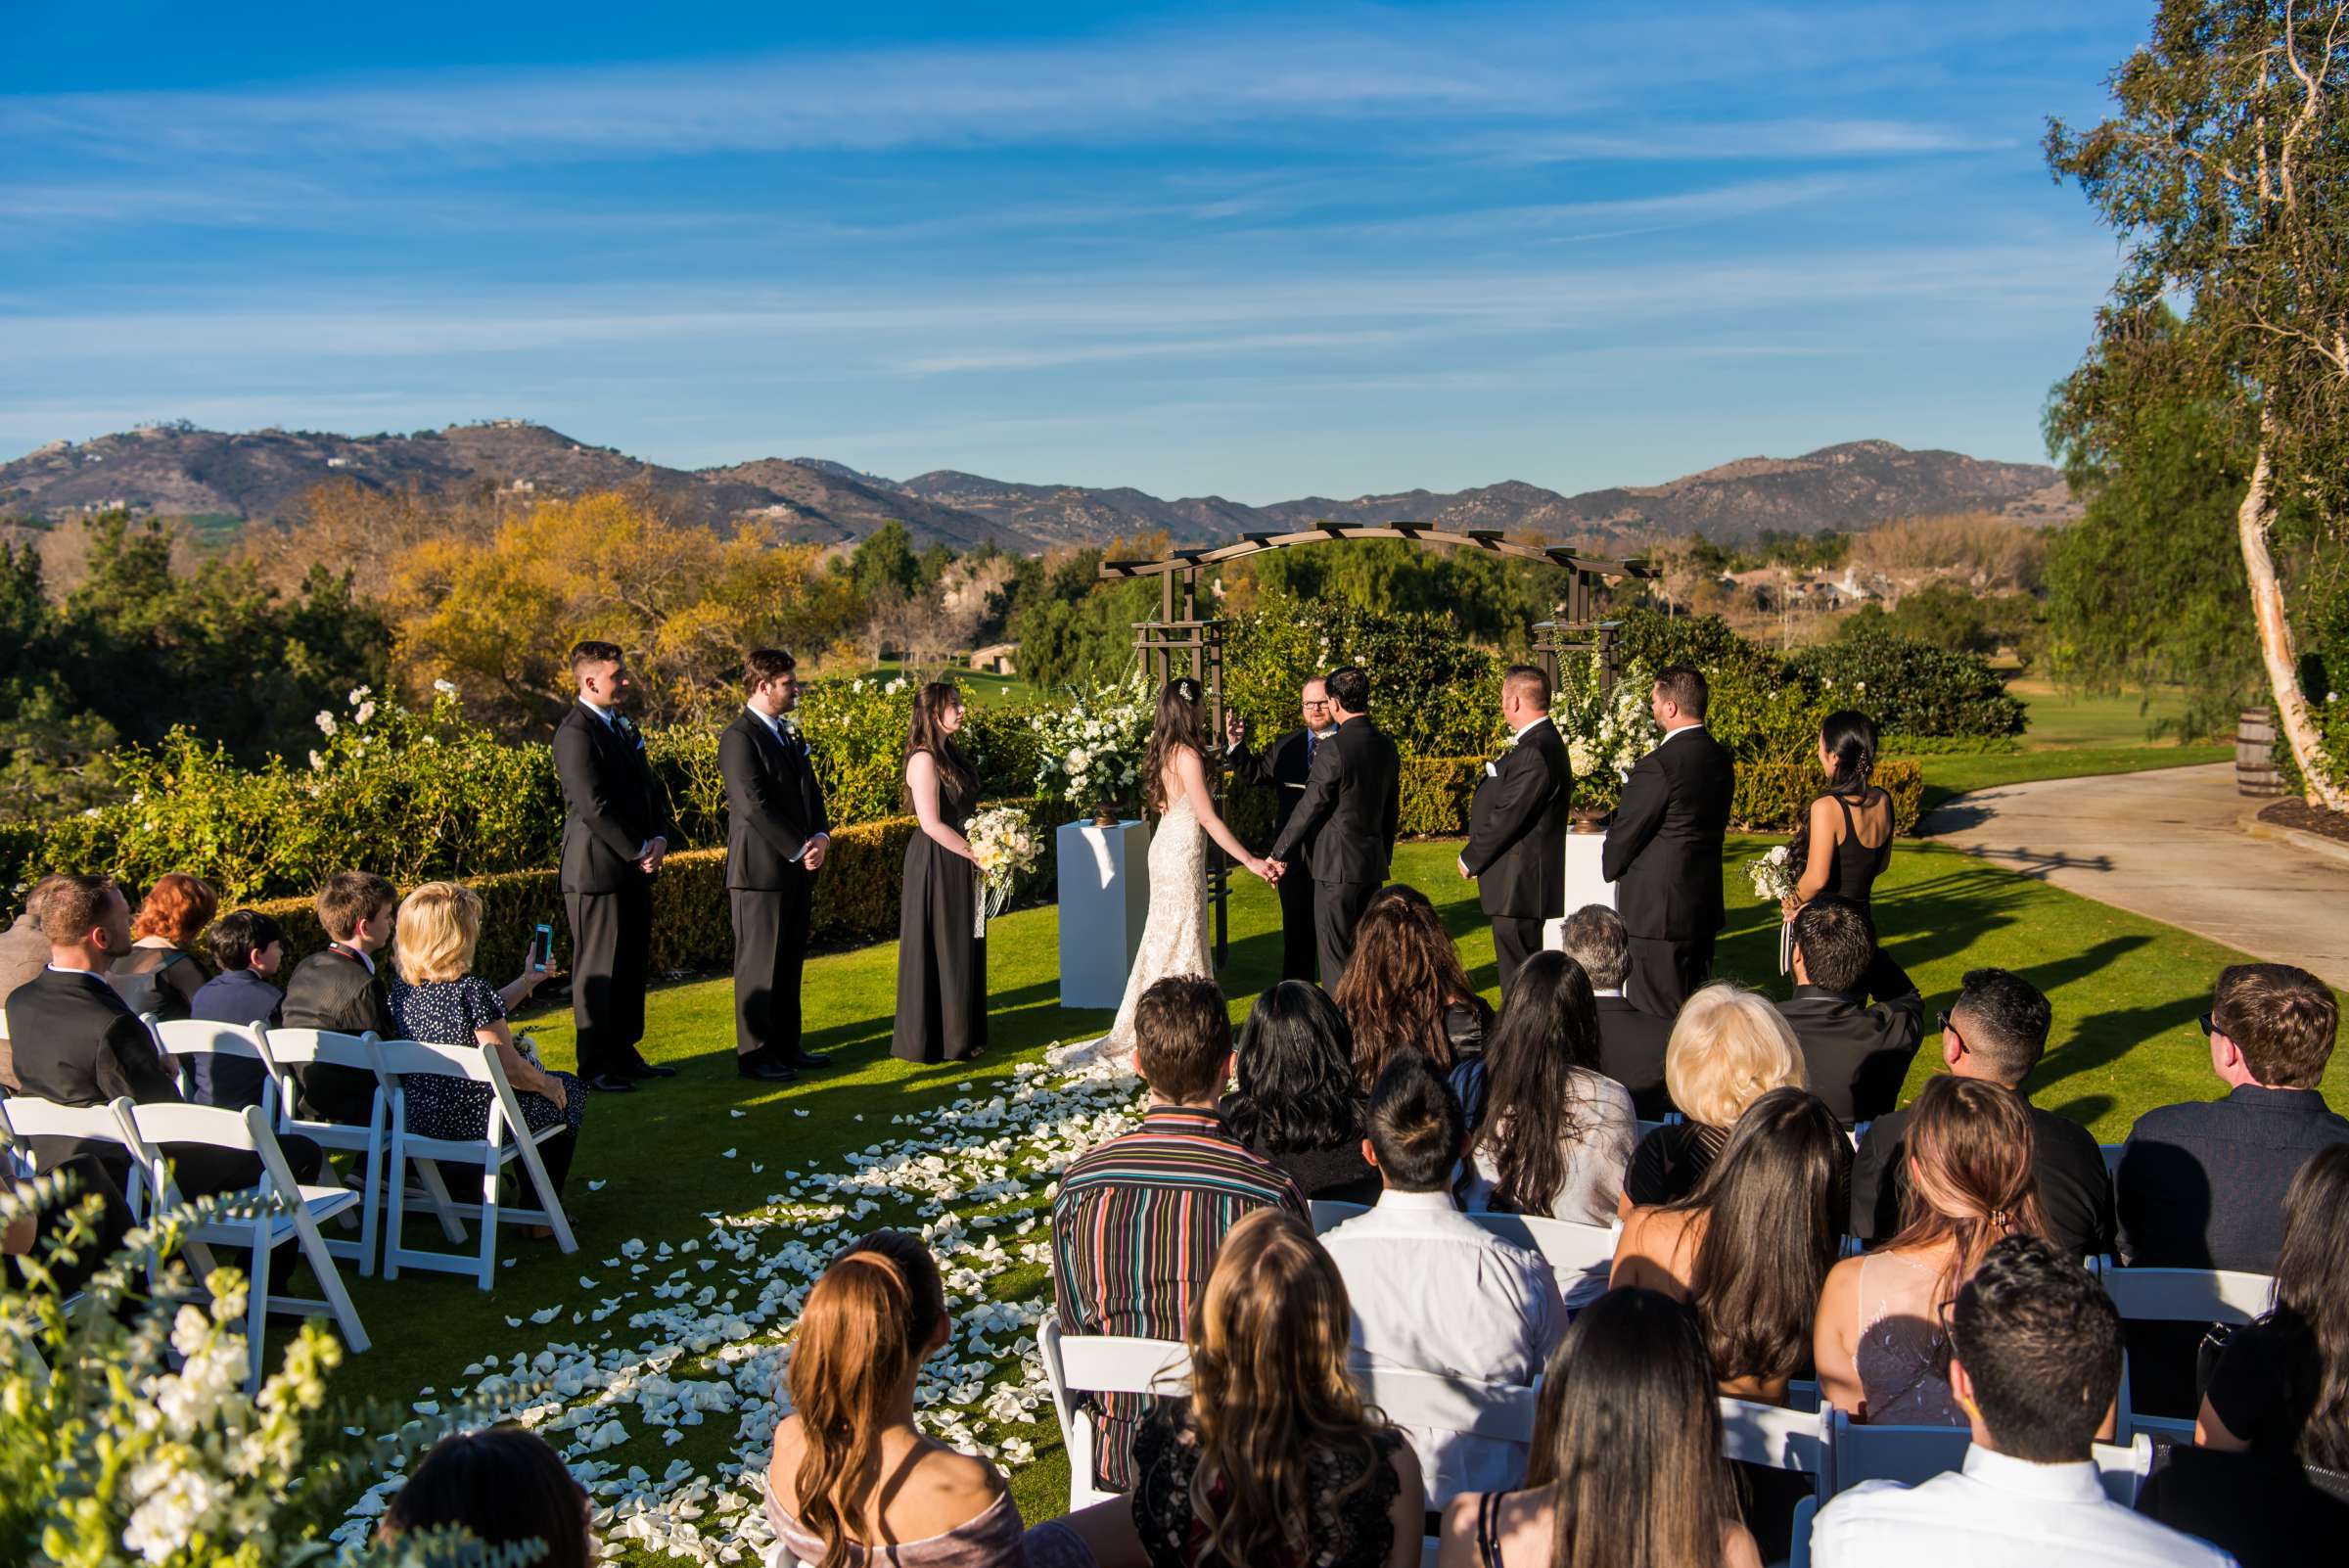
point(1665, 845)
point(1858, 1055)
point(77, 1043)
point(1353, 798)
point(332, 991)
point(1281, 767)
point(773, 803)
point(1631, 1052)
point(612, 804)
point(1517, 828)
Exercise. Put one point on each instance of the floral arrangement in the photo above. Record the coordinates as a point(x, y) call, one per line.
point(1604, 734)
point(1773, 875)
point(1092, 748)
point(1008, 848)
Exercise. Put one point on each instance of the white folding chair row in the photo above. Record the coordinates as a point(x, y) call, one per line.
point(1078, 1364)
point(26, 1117)
point(1581, 1256)
point(2179, 1296)
point(1856, 1452)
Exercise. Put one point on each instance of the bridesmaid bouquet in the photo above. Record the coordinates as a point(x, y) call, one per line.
point(1006, 849)
point(1773, 878)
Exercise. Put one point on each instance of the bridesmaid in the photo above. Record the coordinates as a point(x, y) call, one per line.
point(941, 967)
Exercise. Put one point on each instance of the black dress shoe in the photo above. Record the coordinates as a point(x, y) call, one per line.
point(763, 1068)
point(641, 1068)
point(610, 1084)
point(803, 1058)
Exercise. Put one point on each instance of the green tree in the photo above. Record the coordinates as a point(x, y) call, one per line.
point(1943, 614)
point(2225, 168)
point(884, 565)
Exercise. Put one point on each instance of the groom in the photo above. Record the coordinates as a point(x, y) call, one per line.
point(1348, 817)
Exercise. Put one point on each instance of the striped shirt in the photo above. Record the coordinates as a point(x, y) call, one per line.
point(1135, 1232)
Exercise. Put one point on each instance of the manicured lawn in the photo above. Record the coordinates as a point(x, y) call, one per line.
point(2126, 990)
point(975, 685)
point(2073, 737)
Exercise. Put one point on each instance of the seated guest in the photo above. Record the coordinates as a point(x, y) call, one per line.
point(2035, 1356)
point(1300, 1105)
point(1631, 1042)
point(2203, 1184)
point(35, 1245)
point(2277, 1410)
point(503, 1485)
point(1996, 1030)
point(1273, 1459)
point(1857, 1054)
point(23, 953)
point(159, 975)
point(437, 999)
point(1552, 1131)
point(1878, 1344)
point(1404, 985)
point(1434, 1291)
point(1751, 1247)
point(78, 1043)
point(1138, 1221)
point(1626, 1465)
point(246, 948)
point(1728, 1048)
point(338, 988)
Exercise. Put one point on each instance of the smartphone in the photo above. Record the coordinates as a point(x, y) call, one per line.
point(542, 947)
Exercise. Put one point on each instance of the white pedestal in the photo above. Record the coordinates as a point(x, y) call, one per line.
point(1104, 900)
point(1586, 883)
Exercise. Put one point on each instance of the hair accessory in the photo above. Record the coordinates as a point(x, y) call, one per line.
point(1187, 689)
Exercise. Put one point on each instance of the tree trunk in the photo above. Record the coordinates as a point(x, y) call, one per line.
point(2275, 633)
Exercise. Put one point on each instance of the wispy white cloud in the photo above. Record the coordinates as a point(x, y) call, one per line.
point(1237, 346)
point(1680, 141)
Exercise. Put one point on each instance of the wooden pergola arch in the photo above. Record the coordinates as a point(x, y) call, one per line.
point(1182, 641)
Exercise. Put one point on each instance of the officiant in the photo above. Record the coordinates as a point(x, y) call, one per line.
point(1282, 767)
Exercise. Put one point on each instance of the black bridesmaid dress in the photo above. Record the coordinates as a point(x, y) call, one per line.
point(942, 968)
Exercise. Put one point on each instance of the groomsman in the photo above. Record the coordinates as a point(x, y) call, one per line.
point(1665, 846)
point(776, 838)
point(615, 831)
point(1517, 825)
point(1348, 814)
point(1283, 768)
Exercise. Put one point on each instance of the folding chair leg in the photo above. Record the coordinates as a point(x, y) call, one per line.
point(330, 1280)
point(486, 1275)
point(428, 1172)
point(396, 1205)
point(371, 1194)
point(257, 1310)
point(550, 1202)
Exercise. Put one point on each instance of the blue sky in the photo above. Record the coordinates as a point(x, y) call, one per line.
point(1261, 250)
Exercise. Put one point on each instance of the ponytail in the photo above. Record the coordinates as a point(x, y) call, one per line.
point(867, 1325)
point(1973, 1145)
point(1849, 736)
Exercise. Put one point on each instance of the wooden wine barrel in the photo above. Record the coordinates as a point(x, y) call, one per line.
point(2255, 771)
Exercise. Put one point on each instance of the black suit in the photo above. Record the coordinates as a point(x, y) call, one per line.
point(773, 807)
point(1282, 767)
point(613, 809)
point(1858, 1055)
point(1665, 850)
point(1348, 813)
point(1631, 1052)
point(1517, 843)
point(2074, 1188)
point(335, 989)
point(76, 1043)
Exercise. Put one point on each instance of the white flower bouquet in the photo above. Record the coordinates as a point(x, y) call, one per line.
point(1773, 876)
point(1091, 750)
point(1006, 848)
point(1604, 735)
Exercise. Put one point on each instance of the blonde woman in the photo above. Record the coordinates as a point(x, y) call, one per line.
point(1274, 1462)
point(438, 999)
point(1729, 1047)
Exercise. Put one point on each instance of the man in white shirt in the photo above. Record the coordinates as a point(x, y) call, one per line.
point(1433, 1291)
point(2035, 1359)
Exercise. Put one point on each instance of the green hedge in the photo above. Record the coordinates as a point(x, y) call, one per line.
point(1912, 687)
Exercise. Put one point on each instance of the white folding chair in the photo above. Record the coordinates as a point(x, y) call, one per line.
point(1581, 1256)
point(1328, 1212)
point(1856, 1452)
point(2124, 1466)
point(1078, 1364)
point(288, 1049)
point(1503, 1413)
point(2179, 1296)
point(185, 1039)
point(287, 1209)
point(1780, 1439)
point(26, 1117)
point(398, 1060)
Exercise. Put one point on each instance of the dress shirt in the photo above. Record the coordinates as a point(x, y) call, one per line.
point(1434, 1292)
point(1135, 1227)
point(366, 960)
point(1682, 731)
point(1518, 733)
point(2201, 1186)
point(1999, 1512)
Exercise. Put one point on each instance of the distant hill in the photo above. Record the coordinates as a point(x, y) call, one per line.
point(177, 470)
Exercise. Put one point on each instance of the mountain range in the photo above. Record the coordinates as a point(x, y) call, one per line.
point(180, 471)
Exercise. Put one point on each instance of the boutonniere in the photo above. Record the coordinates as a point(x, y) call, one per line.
point(628, 730)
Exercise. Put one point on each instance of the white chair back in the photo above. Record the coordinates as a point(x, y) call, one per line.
point(2188, 1295)
point(1078, 1364)
point(1773, 1437)
point(1909, 1454)
point(184, 1038)
point(1328, 1213)
point(2124, 1466)
point(1503, 1413)
point(23, 1117)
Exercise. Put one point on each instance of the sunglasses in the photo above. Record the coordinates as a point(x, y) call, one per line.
point(2210, 1025)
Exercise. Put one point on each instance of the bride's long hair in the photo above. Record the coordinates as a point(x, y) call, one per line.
point(1181, 721)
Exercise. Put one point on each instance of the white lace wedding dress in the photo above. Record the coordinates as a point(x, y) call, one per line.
point(1173, 936)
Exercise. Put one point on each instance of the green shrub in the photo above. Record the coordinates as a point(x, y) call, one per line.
point(1774, 797)
point(1912, 687)
point(1435, 694)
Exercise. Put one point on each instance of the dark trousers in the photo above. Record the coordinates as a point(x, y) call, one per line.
point(1297, 945)
point(770, 949)
point(1664, 972)
point(610, 951)
point(1337, 909)
point(1516, 939)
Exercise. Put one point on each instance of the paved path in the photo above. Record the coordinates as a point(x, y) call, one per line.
point(2167, 845)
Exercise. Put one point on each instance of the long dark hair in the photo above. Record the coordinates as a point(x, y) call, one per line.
point(1849, 736)
point(867, 1322)
point(1405, 974)
point(925, 734)
point(1181, 721)
point(503, 1485)
point(1296, 1085)
point(1534, 1104)
point(1629, 1439)
point(1771, 1232)
point(2312, 1287)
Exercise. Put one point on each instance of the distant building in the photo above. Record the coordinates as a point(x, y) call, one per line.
point(996, 659)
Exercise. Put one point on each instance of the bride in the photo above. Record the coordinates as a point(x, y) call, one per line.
point(1175, 937)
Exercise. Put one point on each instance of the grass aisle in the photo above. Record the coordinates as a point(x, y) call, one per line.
point(2126, 992)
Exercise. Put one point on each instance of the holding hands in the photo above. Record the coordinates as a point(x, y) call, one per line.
point(1271, 871)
